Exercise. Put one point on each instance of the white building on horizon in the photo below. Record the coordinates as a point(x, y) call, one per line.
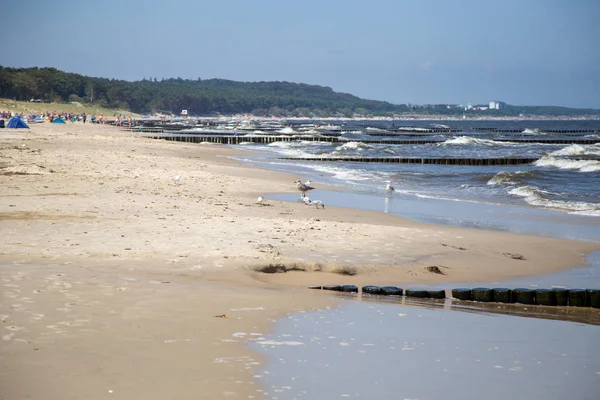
point(496, 105)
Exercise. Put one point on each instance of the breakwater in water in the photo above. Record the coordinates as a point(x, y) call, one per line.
point(544, 297)
point(266, 139)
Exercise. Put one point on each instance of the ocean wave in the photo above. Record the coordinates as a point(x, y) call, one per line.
point(508, 178)
point(344, 174)
point(536, 197)
point(578, 150)
point(564, 163)
point(298, 148)
point(467, 140)
point(354, 146)
point(286, 130)
point(533, 131)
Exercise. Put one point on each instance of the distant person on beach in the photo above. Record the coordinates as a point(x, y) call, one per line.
point(83, 117)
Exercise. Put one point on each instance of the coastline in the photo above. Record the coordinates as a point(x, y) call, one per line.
point(119, 271)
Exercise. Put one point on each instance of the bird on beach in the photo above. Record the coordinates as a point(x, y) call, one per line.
point(303, 187)
point(389, 188)
point(315, 203)
point(176, 179)
point(260, 201)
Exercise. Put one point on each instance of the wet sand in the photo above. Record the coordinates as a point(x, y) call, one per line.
point(117, 280)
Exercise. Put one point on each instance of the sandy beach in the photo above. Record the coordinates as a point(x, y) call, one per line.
point(117, 280)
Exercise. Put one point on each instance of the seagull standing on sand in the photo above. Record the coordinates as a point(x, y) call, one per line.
point(260, 201)
point(310, 202)
point(303, 187)
point(176, 179)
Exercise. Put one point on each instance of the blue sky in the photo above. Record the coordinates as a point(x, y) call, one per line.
point(527, 52)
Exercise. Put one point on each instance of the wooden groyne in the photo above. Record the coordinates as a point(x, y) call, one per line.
point(266, 139)
point(543, 297)
point(417, 160)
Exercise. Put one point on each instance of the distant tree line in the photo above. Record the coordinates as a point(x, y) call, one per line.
point(217, 96)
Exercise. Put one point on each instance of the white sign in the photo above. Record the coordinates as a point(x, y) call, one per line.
point(183, 112)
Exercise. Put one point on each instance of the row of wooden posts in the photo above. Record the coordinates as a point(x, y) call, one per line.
point(266, 139)
point(544, 297)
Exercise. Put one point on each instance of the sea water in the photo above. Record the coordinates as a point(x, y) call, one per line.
point(366, 350)
point(565, 177)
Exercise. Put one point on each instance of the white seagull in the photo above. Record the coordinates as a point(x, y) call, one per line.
point(315, 203)
point(303, 187)
point(260, 200)
point(176, 179)
point(389, 188)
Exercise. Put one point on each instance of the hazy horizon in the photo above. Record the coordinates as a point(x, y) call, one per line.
point(540, 52)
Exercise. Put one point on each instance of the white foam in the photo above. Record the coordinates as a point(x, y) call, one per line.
point(286, 130)
point(577, 150)
point(581, 165)
point(467, 140)
point(278, 343)
point(353, 146)
point(534, 131)
point(504, 177)
point(533, 196)
point(343, 174)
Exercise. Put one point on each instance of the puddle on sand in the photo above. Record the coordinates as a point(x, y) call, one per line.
point(363, 349)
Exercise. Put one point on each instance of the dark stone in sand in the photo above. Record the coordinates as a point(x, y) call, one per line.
point(350, 288)
point(390, 291)
point(437, 294)
point(524, 296)
point(502, 295)
point(594, 297)
point(562, 296)
point(577, 297)
point(545, 297)
point(336, 288)
point(371, 289)
point(484, 295)
point(462, 294)
point(420, 294)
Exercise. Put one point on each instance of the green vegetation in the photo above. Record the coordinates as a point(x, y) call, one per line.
point(219, 96)
point(27, 107)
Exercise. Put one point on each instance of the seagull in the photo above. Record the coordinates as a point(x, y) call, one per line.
point(176, 179)
point(303, 187)
point(389, 188)
point(310, 202)
point(260, 200)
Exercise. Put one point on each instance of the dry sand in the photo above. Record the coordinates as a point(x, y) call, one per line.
point(114, 276)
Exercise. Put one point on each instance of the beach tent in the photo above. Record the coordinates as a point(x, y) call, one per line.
point(16, 122)
point(58, 121)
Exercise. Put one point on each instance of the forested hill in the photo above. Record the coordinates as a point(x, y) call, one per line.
point(199, 97)
point(219, 96)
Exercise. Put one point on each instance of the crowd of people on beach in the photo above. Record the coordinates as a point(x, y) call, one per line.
point(48, 116)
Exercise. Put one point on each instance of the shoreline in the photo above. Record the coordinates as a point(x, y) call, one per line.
point(111, 262)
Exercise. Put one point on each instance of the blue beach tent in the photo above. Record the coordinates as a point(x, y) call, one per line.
point(58, 121)
point(17, 122)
